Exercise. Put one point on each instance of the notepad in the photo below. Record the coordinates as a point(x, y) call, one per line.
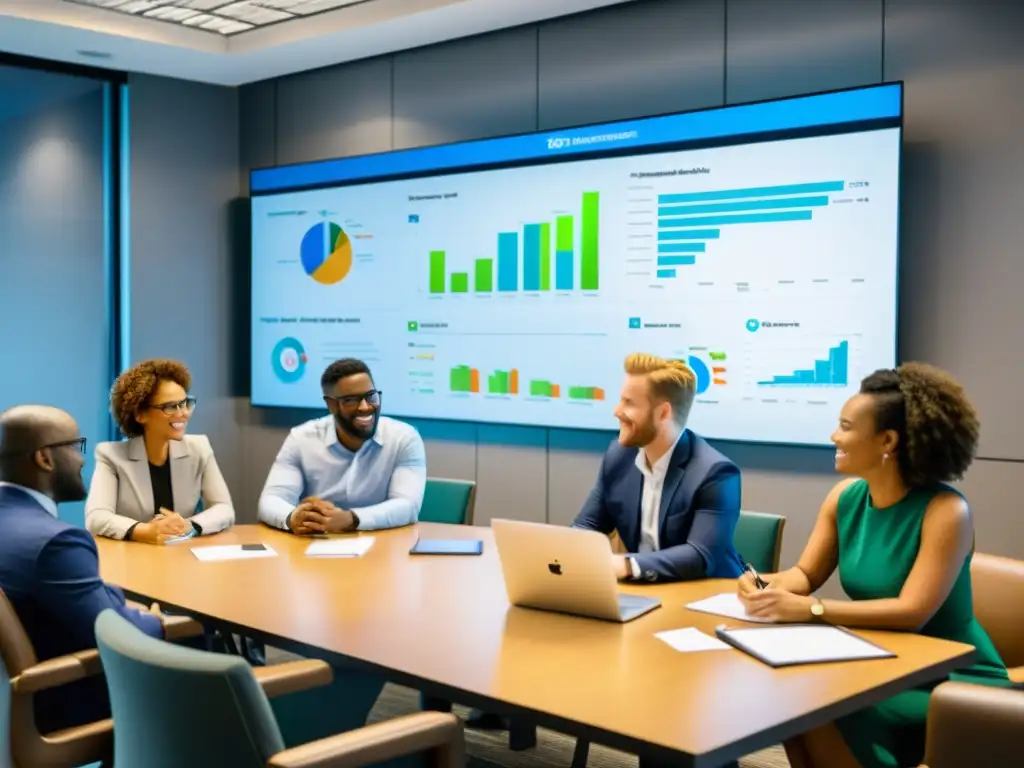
point(690, 639)
point(788, 645)
point(726, 604)
point(231, 552)
point(447, 547)
point(355, 546)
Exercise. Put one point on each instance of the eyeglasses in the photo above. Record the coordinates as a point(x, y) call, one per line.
point(354, 401)
point(188, 405)
point(78, 442)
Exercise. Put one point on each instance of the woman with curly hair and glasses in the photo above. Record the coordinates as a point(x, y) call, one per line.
point(149, 488)
point(902, 540)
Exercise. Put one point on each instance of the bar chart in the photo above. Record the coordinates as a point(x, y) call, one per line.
point(831, 371)
point(465, 379)
point(689, 222)
point(561, 255)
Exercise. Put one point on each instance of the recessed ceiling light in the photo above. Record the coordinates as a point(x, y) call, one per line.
point(95, 54)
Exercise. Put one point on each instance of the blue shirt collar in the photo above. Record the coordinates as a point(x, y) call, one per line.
point(331, 434)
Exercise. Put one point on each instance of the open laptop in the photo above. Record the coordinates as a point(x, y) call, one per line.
point(568, 570)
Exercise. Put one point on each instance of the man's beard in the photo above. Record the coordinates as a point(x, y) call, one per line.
point(349, 427)
point(68, 486)
point(643, 434)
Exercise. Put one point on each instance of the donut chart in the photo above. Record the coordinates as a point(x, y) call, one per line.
point(326, 253)
point(289, 360)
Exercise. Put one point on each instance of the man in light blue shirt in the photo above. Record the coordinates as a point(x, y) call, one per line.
point(351, 470)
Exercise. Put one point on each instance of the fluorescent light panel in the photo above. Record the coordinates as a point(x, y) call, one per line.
point(225, 17)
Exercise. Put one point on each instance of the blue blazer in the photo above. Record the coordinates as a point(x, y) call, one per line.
point(49, 571)
point(700, 506)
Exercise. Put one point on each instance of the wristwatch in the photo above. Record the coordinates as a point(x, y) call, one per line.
point(817, 608)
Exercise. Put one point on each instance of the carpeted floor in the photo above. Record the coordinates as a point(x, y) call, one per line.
point(489, 749)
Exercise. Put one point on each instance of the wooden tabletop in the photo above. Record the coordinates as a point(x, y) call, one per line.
point(444, 623)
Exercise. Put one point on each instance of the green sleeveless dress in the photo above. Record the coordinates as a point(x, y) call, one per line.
point(877, 549)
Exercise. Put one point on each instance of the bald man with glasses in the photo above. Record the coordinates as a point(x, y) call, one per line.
point(49, 570)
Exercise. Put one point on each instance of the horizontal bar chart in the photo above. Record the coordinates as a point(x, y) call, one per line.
point(735, 194)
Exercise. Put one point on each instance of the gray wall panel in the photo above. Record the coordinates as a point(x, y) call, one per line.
point(790, 47)
point(636, 59)
point(962, 206)
point(257, 107)
point(511, 473)
point(574, 459)
point(334, 112)
point(467, 89)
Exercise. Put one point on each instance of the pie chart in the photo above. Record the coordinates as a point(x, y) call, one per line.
point(326, 253)
point(702, 373)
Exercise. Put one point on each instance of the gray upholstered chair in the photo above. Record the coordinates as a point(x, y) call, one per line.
point(177, 706)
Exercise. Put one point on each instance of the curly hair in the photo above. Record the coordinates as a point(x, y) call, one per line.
point(671, 380)
point(135, 386)
point(937, 425)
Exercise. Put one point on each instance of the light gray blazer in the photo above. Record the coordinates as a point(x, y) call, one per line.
point(121, 491)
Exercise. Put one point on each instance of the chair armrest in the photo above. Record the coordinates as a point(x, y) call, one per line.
point(54, 673)
point(293, 676)
point(435, 732)
point(972, 724)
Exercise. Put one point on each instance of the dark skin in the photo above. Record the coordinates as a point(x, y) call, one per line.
point(40, 450)
point(947, 537)
point(355, 421)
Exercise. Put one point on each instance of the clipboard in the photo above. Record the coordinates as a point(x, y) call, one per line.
point(788, 645)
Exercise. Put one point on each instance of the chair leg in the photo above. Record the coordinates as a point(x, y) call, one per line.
point(521, 735)
point(581, 753)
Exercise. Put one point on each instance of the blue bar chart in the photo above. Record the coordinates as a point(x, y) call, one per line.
point(832, 371)
point(531, 258)
point(508, 261)
point(687, 221)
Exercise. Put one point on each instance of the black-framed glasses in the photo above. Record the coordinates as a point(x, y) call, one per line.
point(354, 401)
point(188, 405)
point(78, 443)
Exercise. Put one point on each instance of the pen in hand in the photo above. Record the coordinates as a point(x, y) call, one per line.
point(761, 584)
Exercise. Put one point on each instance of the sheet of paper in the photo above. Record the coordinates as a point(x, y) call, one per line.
point(802, 644)
point(355, 546)
point(725, 604)
point(231, 552)
point(690, 639)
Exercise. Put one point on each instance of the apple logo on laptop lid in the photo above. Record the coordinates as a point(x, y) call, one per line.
point(555, 567)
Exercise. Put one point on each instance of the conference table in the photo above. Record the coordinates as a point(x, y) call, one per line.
point(443, 625)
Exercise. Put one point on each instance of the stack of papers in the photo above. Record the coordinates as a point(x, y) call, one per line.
point(726, 604)
point(231, 552)
point(690, 639)
point(355, 546)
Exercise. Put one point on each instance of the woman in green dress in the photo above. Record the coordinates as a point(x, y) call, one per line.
point(902, 541)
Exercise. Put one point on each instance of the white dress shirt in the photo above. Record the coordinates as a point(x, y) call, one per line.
point(650, 501)
point(44, 501)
